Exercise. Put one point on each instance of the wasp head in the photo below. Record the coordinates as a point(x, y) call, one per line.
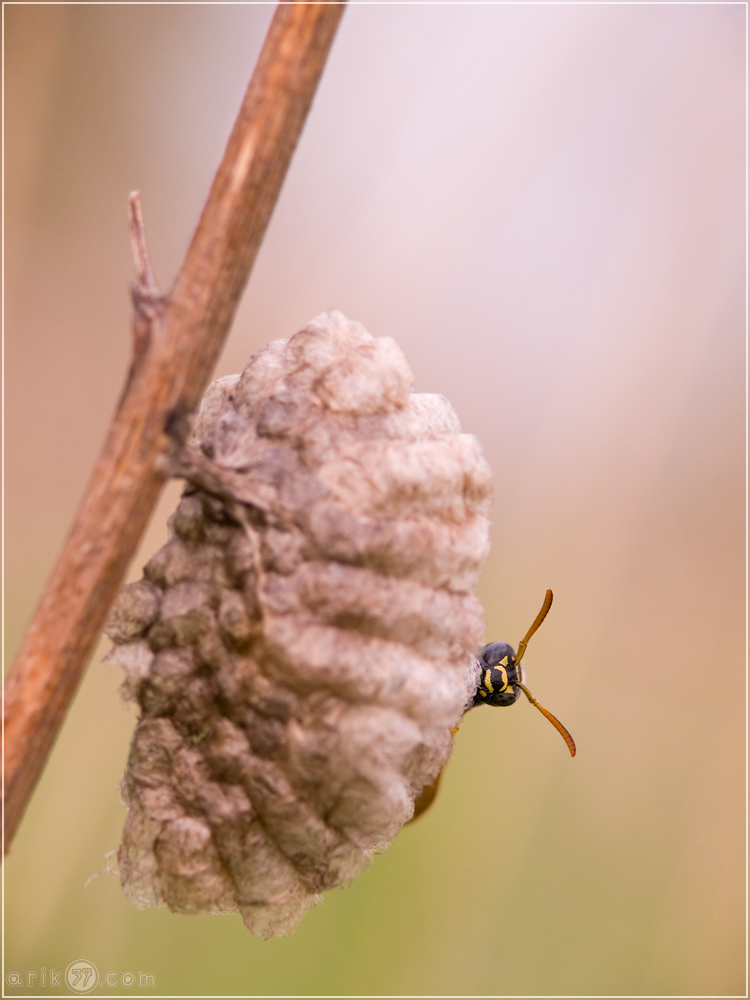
point(497, 676)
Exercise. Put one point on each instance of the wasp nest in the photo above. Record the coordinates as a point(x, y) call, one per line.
point(303, 643)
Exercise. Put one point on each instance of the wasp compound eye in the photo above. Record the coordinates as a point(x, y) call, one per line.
point(302, 646)
point(497, 652)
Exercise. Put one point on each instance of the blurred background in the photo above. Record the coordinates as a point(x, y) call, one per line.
point(544, 205)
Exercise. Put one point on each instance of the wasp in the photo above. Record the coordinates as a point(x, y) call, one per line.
point(500, 683)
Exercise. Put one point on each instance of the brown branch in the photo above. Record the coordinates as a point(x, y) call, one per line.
point(176, 342)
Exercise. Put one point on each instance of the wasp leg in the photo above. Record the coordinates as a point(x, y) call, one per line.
point(426, 797)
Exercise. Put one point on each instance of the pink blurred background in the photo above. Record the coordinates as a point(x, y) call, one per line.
point(544, 205)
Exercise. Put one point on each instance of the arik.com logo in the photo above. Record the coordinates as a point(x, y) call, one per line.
point(80, 977)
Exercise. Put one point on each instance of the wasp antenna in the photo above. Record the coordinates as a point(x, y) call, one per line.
point(537, 622)
point(570, 742)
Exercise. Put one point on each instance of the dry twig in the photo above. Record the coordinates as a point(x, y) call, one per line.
point(176, 341)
